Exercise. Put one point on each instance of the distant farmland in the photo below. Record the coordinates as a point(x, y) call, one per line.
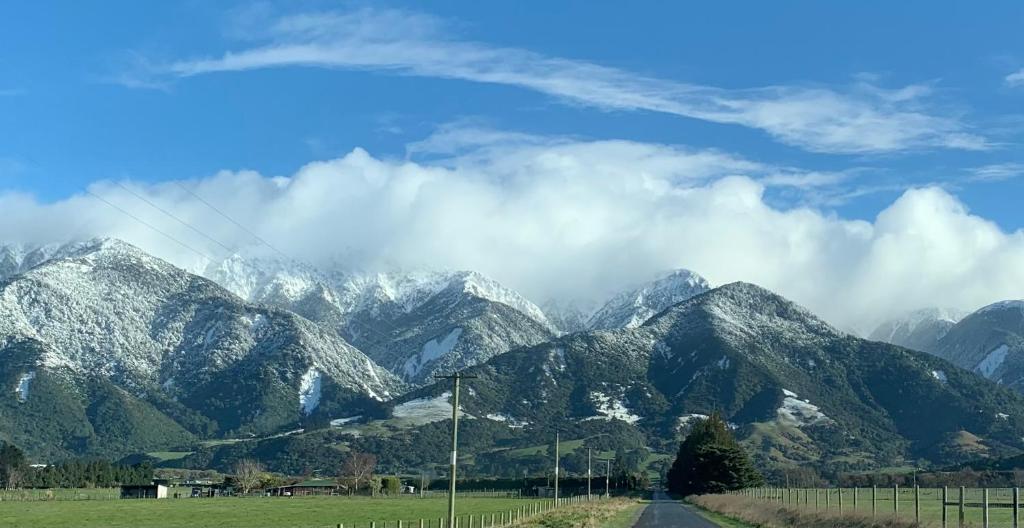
point(290, 512)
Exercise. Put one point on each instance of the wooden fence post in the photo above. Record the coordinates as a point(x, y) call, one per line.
point(1016, 507)
point(984, 507)
point(945, 498)
point(874, 501)
point(840, 500)
point(896, 501)
point(960, 521)
point(856, 491)
point(917, 504)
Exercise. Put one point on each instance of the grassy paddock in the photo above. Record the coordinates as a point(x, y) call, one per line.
point(227, 512)
point(60, 494)
point(775, 515)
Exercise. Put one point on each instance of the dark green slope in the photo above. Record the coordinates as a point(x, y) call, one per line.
point(66, 415)
point(739, 349)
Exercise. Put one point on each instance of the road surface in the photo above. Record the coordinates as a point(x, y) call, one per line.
point(664, 512)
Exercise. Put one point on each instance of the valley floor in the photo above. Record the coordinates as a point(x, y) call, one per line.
point(272, 512)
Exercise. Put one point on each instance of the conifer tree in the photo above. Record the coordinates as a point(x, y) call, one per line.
point(711, 461)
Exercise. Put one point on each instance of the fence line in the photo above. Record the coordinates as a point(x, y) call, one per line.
point(492, 520)
point(960, 507)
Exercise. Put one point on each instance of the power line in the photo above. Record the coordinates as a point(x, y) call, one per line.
point(179, 220)
point(232, 220)
point(151, 226)
point(351, 322)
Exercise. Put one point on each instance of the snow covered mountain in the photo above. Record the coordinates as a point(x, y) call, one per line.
point(989, 342)
point(174, 344)
point(460, 326)
point(415, 324)
point(798, 389)
point(632, 308)
point(920, 329)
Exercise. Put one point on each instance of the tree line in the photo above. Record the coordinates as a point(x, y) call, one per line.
point(15, 472)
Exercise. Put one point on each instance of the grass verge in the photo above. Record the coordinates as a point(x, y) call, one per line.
point(613, 513)
point(721, 520)
point(772, 515)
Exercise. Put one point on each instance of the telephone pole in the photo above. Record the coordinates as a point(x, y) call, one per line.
point(607, 476)
point(456, 381)
point(556, 468)
point(588, 473)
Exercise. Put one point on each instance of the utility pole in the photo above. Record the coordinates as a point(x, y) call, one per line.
point(588, 473)
point(556, 468)
point(607, 476)
point(456, 380)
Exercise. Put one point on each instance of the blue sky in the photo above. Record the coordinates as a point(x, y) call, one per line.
point(73, 111)
point(867, 151)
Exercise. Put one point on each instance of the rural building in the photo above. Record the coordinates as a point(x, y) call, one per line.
point(144, 491)
point(307, 487)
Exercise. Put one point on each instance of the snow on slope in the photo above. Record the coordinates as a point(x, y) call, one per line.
point(425, 410)
point(24, 382)
point(992, 361)
point(309, 391)
point(795, 411)
point(282, 283)
point(109, 309)
point(612, 408)
point(632, 308)
point(432, 351)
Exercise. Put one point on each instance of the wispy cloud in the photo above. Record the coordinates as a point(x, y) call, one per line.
point(997, 172)
point(1015, 79)
point(861, 118)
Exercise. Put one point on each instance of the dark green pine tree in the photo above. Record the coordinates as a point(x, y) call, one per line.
point(711, 461)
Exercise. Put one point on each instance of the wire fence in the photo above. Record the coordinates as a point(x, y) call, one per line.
point(503, 518)
point(946, 507)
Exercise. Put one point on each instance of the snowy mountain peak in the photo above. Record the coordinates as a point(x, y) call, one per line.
point(483, 287)
point(1003, 306)
point(632, 308)
point(742, 309)
point(919, 329)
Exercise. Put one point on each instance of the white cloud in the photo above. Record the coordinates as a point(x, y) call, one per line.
point(997, 172)
point(862, 119)
point(1015, 79)
point(570, 218)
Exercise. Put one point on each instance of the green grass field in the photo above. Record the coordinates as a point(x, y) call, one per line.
point(164, 456)
point(1000, 504)
point(283, 512)
point(59, 494)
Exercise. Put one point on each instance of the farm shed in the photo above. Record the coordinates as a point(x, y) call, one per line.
point(307, 487)
point(144, 491)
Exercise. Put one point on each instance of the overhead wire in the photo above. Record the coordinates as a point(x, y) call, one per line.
point(352, 322)
point(149, 225)
point(175, 218)
point(232, 220)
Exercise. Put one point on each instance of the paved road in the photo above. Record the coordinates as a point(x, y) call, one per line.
point(664, 512)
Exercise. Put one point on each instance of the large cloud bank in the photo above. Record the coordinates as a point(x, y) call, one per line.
point(562, 219)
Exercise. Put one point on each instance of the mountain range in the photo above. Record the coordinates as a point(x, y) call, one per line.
point(989, 341)
point(110, 351)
